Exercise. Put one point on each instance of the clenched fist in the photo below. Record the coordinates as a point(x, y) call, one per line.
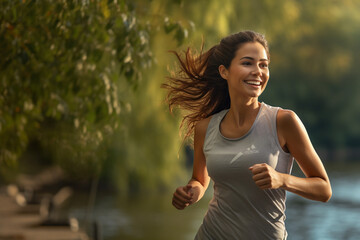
point(266, 177)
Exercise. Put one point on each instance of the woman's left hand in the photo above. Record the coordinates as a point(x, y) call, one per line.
point(266, 177)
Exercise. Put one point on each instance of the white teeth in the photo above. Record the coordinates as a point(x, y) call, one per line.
point(253, 83)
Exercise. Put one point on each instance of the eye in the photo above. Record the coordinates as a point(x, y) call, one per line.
point(264, 65)
point(246, 63)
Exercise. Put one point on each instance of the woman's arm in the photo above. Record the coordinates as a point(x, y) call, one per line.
point(195, 189)
point(294, 138)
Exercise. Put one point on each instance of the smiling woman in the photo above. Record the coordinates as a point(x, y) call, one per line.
point(248, 71)
point(246, 147)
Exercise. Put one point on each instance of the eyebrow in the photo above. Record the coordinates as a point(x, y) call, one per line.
point(263, 59)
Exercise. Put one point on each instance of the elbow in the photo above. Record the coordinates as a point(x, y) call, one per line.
point(325, 198)
point(327, 195)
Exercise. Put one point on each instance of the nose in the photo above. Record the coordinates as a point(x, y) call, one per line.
point(256, 71)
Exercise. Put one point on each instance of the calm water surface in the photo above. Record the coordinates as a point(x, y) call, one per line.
point(153, 217)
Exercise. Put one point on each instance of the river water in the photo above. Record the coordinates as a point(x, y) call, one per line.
point(153, 217)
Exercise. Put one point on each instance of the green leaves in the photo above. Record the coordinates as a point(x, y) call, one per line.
point(180, 32)
point(67, 69)
point(71, 71)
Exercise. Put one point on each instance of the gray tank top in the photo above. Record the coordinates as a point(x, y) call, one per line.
point(239, 209)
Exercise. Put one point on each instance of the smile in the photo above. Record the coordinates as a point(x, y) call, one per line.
point(253, 82)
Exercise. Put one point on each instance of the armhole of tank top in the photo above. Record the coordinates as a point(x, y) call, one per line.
point(276, 133)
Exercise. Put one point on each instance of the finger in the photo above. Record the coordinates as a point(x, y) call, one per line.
point(182, 193)
point(253, 166)
point(258, 170)
point(179, 198)
point(259, 165)
point(175, 204)
point(178, 204)
point(190, 191)
point(259, 176)
point(188, 187)
point(266, 186)
point(262, 182)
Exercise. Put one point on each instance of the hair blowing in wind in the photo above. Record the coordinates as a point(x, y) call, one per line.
point(197, 87)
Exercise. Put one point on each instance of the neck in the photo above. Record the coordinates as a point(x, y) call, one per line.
point(243, 110)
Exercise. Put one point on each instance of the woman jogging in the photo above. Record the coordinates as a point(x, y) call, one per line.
point(245, 146)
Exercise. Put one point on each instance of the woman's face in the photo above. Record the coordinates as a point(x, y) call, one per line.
point(248, 72)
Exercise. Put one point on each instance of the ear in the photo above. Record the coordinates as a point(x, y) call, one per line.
point(223, 72)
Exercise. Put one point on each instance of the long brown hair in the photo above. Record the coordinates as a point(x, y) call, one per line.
point(198, 87)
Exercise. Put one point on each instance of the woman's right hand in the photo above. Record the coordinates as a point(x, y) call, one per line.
point(183, 197)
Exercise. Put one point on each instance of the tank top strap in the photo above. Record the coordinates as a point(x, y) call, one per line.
point(271, 113)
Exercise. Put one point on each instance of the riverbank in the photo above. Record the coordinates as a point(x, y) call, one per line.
point(152, 217)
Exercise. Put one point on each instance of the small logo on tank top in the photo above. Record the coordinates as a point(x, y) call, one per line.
point(250, 150)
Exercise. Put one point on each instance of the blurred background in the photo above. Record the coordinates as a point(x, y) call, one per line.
point(80, 91)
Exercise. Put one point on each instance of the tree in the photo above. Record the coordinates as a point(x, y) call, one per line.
point(314, 53)
point(65, 71)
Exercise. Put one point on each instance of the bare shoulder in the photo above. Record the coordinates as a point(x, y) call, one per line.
point(287, 118)
point(200, 130)
point(289, 126)
point(201, 126)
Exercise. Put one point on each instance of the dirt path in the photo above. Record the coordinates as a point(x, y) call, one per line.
point(23, 223)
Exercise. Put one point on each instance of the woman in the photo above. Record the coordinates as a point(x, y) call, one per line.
point(246, 147)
